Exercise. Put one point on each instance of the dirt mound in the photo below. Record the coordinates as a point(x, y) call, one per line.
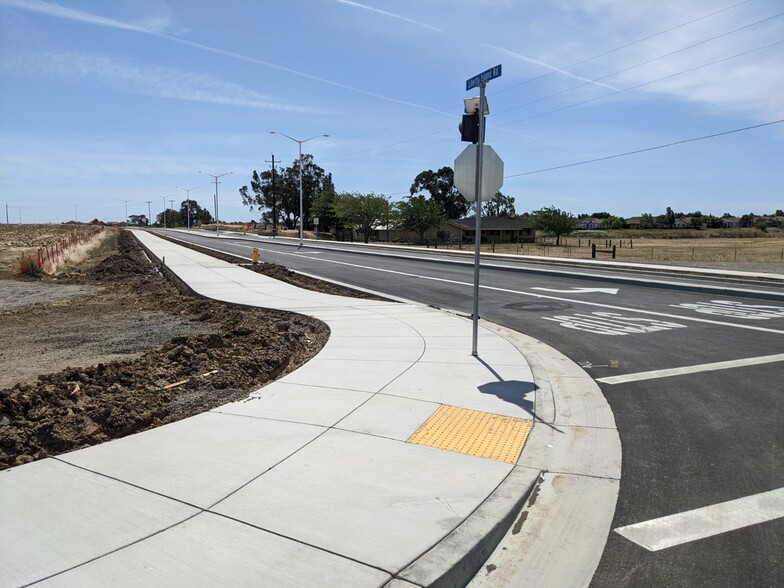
point(224, 353)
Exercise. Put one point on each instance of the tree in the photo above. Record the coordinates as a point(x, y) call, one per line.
point(286, 193)
point(647, 221)
point(441, 187)
point(140, 220)
point(613, 222)
point(500, 206)
point(601, 215)
point(198, 214)
point(361, 211)
point(669, 218)
point(172, 218)
point(419, 214)
point(553, 220)
point(323, 208)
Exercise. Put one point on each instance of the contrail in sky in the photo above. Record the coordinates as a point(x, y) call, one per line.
point(391, 14)
point(57, 11)
point(514, 54)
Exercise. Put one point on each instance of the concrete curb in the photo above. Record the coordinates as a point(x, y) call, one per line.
point(575, 405)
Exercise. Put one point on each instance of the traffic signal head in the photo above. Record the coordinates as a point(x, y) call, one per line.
point(469, 128)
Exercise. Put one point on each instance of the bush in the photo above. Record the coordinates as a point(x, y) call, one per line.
point(29, 266)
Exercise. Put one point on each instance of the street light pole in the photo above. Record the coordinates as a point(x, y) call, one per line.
point(188, 202)
point(149, 214)
point(217, 225)
point(299, 142)
point(126, 207)
point(164, 211)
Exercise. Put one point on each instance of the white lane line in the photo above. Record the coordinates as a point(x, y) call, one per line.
point(691, 369)
point(541, 296)
point(705, 522)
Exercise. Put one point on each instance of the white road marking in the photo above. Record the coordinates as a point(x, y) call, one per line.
point(706, 522)
point(691, 369)
point(754, 312)
point(541, 296)
point(611, 323)
point(578, 290)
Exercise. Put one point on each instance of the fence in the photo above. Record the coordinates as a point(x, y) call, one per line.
point(49, 254)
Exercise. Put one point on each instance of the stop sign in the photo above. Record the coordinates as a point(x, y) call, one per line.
point(492, 173)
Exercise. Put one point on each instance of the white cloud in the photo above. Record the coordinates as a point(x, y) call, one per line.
point(126, 76)
point(742, 85)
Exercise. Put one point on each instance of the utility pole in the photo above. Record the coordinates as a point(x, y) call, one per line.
point(171, 204)
point(149, 214)
point(164, 211)
point(126, 208)
point(6, 214)
point(274, 204)
point(217, 224)
point(188, 201)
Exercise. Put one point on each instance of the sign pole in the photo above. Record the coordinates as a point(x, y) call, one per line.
point(478, 215)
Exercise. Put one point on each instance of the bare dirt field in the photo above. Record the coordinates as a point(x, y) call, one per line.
point(109, 347)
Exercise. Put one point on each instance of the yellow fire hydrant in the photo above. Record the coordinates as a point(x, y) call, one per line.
point(254, 255)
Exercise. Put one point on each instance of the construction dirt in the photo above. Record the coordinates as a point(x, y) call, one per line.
point(109, 348)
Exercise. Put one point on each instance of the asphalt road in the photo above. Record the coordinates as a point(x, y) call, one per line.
point(691, 440)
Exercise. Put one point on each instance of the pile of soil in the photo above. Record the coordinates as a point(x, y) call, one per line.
point(210, 353)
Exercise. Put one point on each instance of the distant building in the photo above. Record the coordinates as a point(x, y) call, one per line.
point(494, 230)
point(634, 222)
point(589, 224)
point(730, 222)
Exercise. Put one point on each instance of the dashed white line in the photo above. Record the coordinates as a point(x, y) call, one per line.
point(708, 521)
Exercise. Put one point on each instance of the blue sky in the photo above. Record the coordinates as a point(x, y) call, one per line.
point(104, 101)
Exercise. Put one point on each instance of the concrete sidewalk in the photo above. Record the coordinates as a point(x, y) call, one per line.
point(391, 458)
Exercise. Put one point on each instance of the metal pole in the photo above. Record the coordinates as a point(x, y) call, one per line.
point(300, 193)
point(478, 215)
point(149, 214)
point(217, 224)
point(164, 211)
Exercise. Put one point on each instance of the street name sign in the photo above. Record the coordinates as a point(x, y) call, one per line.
point(465, 173)
point(484, 77)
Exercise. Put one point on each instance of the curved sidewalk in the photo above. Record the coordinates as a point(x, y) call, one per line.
point(391, 458)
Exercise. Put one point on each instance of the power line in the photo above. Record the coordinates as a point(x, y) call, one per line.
point(608, 52)
point(646, 62)
point(639, 85)
point(360, 155)
point(616, 156)
point(632, 43)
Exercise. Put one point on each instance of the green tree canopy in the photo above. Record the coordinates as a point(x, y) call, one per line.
point(440, 185)
point(613, 222)
point(198, 214)
point(555, 221)
point(362, 211)
point(286, 190)
point(323, 208)
point(500, 206)
point(139, 220)
point(419, 214)
point(647, 221)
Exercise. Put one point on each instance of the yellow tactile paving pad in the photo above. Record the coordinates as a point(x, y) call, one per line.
point(474, 432)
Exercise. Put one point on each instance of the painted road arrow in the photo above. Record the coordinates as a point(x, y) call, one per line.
point(580, 290)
